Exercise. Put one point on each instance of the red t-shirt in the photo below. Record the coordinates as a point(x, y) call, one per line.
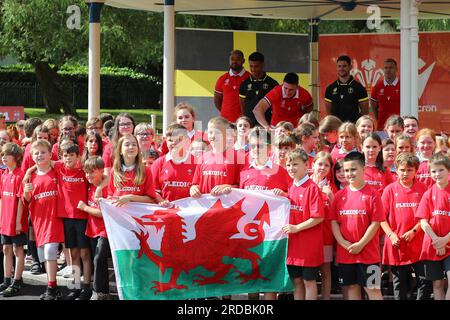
point(287, 109)
point(355, 211)
point(95, 225)
point(228, 86)
point(388, 98)
point(328, 238)
point(305, 248)
point(43, 206)
point(435, 207)
point(423, 174)
point(197, 136)
point(219, 168)
point(108, 155)
point(337, 154)
point(400, 205)
point(72, 187)
point(10, 185)
point(376, 178)
point(270, 177)
point(128, 187)
point(173, 180)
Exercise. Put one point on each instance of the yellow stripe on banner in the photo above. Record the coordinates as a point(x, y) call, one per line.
point(200, 83)
point(246, 42)
point(305, 79)
point(196, 83)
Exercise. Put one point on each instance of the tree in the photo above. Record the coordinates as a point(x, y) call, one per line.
point(35, 32)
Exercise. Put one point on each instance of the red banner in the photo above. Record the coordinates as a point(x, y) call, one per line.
point(368, 53)
point(13, 114)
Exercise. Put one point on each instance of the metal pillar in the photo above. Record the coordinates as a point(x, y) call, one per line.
point(94, 59)
point(405, 58)
point(314, 62)
point(169, 63)
point(414, 40)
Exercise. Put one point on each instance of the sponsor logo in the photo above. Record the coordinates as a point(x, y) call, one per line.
point(406, 205)
point(297, 208)
point(45, 195)
point(180, 184)
point(352, 212)
point(72, 180)
point(216, 173)
point(255, 187)
point(129, 189)
point(441, 213)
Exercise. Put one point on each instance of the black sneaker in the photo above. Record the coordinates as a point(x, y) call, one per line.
point(13, 290)
point(3, 287)
point(73, 294)
point(50, 294)
point(85, 294)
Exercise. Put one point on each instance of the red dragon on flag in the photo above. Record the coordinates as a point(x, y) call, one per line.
point(210, 245)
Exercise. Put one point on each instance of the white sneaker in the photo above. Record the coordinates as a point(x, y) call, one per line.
point(66, 272)
point(62, 271)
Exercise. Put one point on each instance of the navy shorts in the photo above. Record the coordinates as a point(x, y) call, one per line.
point(307, 273)
point(436, 270)
point(365, 275)
point(18, 241)
point(75, 233)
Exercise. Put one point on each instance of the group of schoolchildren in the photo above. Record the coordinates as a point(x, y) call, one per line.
point(344, 183)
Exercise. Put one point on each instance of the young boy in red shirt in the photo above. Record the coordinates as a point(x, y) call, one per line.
point(173, 172)
point(401, 250)
point(95, 229)
point(356, 215)
point(305, 245)
point(13, 221)
point(434, 212)
point(221, 166)
point(41, 192)
point(263, 174)
point(73, 188)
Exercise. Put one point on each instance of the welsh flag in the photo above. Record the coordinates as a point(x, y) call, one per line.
point(211, 246)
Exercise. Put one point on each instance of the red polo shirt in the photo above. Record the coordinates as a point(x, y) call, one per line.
point(388, 98)
point(228, 86)
point(287, 109)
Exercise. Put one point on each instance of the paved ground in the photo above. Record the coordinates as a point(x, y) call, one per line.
point(35, 285)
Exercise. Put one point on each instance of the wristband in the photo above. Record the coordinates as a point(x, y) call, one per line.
point(414, 230)
point(390, 234)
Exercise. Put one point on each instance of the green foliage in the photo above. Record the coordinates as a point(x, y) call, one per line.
point(140, 115)
point(82, 71)
point(35, 30)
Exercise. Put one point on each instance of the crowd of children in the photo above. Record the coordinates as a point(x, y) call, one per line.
point(370, 203)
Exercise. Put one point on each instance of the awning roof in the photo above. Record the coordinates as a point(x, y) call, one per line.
point(289, 9)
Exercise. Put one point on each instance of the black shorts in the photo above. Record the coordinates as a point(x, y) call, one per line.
point(436, 270)
point(75, 233)
point(307, 273)
point(365, 275)
point(18, 241)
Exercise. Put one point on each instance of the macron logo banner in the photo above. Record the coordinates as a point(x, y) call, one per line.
point(211, 246)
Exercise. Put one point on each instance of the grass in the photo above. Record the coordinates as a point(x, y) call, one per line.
point(140, 115)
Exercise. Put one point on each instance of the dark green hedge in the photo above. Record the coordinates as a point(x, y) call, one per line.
point(120, 87)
